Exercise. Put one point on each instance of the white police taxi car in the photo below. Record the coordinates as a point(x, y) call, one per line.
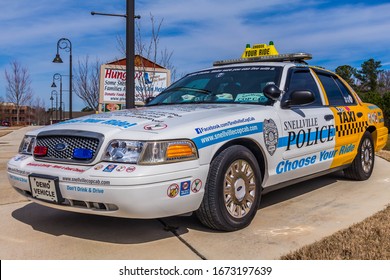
point(211, 143)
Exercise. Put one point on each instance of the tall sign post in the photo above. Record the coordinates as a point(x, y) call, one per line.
point(130, 88)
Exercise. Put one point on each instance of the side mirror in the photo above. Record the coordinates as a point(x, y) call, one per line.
point(299, 97)
point(147, 100)
point(272, 92)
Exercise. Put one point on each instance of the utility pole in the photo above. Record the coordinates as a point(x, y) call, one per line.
point(130, 53)
point(130, 88)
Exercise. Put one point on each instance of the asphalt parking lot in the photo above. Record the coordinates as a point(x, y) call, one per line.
point(288, 219)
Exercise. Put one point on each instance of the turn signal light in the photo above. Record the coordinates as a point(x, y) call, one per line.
point(179, 151)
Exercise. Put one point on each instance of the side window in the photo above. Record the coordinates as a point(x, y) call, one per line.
point(345, 92)
point(337, 93)
point(303, 80)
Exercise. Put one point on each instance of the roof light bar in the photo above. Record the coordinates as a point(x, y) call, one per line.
point(292, 57)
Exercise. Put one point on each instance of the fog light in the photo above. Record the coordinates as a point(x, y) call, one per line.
point(40, 151)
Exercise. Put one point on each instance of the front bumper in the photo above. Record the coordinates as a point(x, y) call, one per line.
point(120, 190)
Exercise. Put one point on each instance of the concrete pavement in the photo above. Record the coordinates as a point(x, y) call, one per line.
point(288, 219)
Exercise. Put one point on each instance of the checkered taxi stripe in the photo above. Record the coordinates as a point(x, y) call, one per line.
point(351, 128)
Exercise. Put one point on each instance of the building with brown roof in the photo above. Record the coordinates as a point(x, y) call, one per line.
point(8, 112)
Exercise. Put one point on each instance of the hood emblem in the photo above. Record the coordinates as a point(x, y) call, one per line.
point(155, 126)
point(60, 147)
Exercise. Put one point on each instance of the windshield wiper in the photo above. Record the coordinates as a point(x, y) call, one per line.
point(205, 91)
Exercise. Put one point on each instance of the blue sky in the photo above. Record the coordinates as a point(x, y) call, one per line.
point(197, 31)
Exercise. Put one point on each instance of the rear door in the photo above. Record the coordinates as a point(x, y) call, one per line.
point(350, 123)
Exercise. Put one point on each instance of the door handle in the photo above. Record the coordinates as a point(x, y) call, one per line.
point(328, 117)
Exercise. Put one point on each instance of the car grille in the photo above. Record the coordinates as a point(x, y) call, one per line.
point(69, 140)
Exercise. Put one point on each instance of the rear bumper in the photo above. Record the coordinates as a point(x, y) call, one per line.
point(381, 138)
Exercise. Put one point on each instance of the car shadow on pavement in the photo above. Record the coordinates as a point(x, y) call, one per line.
point(91, 227)
point(299, 189)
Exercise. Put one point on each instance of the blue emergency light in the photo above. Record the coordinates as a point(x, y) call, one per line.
point(80, 153)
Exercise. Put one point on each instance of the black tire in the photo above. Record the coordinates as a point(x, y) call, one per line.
point(232, 191)
point(363, 164)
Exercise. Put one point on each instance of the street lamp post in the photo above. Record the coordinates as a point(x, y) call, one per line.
point(66, 44)
point(51, 113)
point(54, 92)
point(58, 76)
point(130, 87)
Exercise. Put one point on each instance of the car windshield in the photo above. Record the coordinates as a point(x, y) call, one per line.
point(222, 85)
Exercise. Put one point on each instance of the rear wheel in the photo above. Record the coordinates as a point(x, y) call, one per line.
point(363, 164)
point(232, 192)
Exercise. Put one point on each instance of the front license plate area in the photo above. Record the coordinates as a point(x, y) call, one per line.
point(45, 188)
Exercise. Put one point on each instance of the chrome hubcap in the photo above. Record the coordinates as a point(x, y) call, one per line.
point(367, 155)
point(239, 188)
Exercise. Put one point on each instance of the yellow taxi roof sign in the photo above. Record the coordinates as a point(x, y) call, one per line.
point(265, 53)
point(259, 50)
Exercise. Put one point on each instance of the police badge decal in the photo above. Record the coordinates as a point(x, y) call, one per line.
point(271, 135)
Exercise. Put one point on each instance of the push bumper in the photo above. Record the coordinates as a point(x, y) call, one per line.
point(108, 189)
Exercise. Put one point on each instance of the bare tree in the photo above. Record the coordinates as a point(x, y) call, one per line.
point(149, 50)
point(38, 105)
point(145, 89)
point(384, 81)
point(165, 61)
point(86, 85)
point(18, 89)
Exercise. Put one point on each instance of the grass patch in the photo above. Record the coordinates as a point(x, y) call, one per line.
point(367, 240)
point(4, 132)
point(385, 152)
point(387, 147)
point(8, 130)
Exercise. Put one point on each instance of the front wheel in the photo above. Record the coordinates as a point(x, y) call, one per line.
point(363, 164)
point(232, 191)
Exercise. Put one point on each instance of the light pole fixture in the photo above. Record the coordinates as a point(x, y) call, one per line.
point(130, 71)
point(58, 76)
point(54, 92)
point(130, 54)
point(51, 113)
point(66, 44)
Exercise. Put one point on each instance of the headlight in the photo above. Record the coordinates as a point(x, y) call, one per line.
point(27, 145)
point(139, 152)
point(123, 151)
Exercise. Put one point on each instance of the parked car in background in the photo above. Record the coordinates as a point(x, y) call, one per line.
point(5, 123)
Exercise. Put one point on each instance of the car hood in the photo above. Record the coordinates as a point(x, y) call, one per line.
point(168, 121)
